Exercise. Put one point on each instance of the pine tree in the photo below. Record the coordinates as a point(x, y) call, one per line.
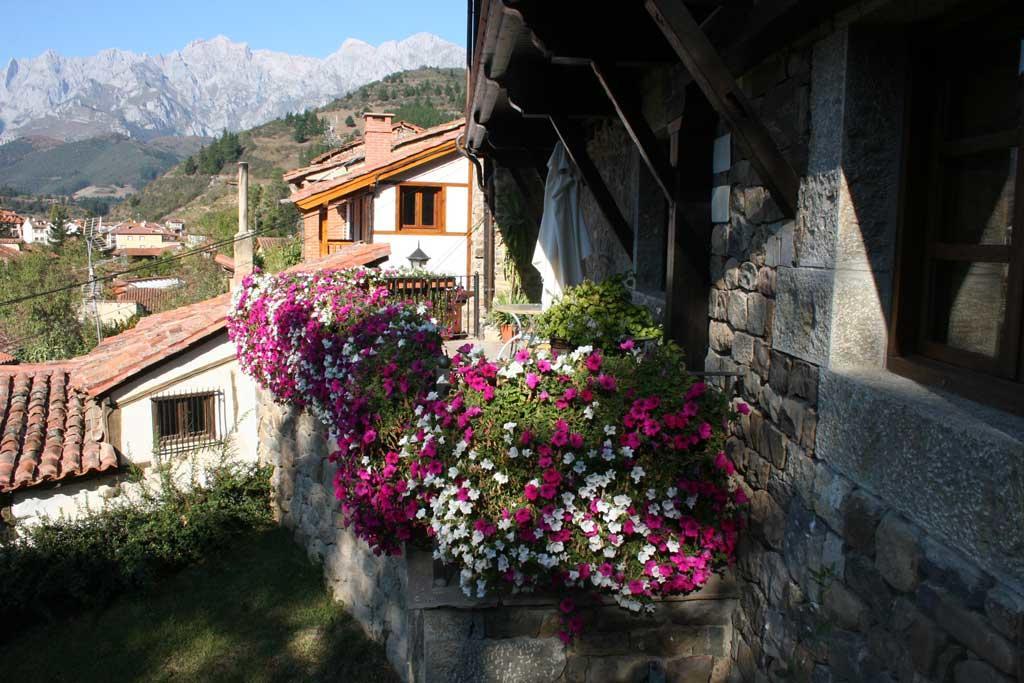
point(350, 122)
point(59, 221)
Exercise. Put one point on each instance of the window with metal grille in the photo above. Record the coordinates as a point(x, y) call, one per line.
point(960, 302)
point(185, 421)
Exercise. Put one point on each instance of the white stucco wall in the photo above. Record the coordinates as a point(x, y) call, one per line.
point(448, 252)
point(211, 365)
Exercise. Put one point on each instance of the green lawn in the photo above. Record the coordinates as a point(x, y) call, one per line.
point(259, 612)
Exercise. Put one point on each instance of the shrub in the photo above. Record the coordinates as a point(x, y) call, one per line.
point(587, 471)
point(64, 565)
point(600, 314)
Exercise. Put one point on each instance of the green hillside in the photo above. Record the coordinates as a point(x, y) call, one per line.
point(39, 166)
point(206, 201)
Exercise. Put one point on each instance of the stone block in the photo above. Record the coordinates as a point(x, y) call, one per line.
point(767, 519)
point(833, 556)
point(690, 669)
point(803, 381)
point(945, 566)
point(737, 309)
point(747, 276)
point(969, 628)
point(632, 669)
point(974, 671)
point(843, 608)
point(771, 403)
point(576, 669)
point(720, 204)
point(803, 314)
point(511, 623)
point(932, 459)
point(517, 659)
point(863, 578)
point(778, 378)
point(925, 641)
point(830, 490)
point(669, 641)
point(774, 445)
point(593, 642)
point(720, 337)
point(742, 348)
point(720, 239)
point(756, 314)
point(859, 327)
point(861, 514)
point(741, 236)
point(897, 553)
point(451, 624)
point(718, 304)
point(762, 359)
point(1005, 610)
point(766, 278)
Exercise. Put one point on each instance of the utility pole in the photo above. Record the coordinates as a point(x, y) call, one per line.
point(88, 232)
point(243, 242)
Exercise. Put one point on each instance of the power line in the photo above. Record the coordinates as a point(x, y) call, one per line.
point(103, 278)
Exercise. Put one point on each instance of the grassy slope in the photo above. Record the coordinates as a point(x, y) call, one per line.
point(65, 168)
point(271, 150)
point(259, 613)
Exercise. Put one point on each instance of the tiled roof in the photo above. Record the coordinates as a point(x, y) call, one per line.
point(9, 253)
point(224, 261)
point(143, 228)
point(8, 216)
point(7, 359)
point(402, 146)
point(264, 243)
point(403, 150)
point(145, 251)
point(150, 298)
point(152, 340)
point(347, 257)
point(51, 430)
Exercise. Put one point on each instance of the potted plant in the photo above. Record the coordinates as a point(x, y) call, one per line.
point(505, 323)
point(599, 314)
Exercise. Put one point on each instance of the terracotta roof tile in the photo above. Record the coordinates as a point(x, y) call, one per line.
point(346, 257)
point(224, 261)
point(264, 243)
point(50, 429)
point(145, 251)
point(150, 298)
point(7, 359)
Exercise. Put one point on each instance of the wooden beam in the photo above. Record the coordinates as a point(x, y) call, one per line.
point(628, 110)
point(539, 90)
point(570, 136)
point(718, 85)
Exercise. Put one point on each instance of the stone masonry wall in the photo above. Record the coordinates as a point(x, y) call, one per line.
point(433, 633)
point(884, 540)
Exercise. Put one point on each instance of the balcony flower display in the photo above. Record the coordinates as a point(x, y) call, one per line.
point(590, 471)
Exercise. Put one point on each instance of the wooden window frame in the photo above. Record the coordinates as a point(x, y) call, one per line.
point(440, 205)
point(997, 381)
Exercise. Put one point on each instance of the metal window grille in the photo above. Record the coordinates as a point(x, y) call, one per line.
point(187, 421)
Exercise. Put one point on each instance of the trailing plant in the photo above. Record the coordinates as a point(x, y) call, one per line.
point(601, 314)
point(501, 318)
point(591, 471)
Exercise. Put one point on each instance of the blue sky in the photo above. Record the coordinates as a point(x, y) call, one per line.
point(84, 27)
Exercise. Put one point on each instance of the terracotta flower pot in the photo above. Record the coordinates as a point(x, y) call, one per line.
point(507, 332)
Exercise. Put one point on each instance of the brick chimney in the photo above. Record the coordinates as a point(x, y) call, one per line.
point(377, 136)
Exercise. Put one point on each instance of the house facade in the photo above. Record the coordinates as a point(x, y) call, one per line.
point(402, 186)
point(35, 231)
point(10, 224)
point(818, 198)
point(169, 390)
point(142, 235)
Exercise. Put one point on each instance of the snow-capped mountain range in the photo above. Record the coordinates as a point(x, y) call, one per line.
point(199, 90)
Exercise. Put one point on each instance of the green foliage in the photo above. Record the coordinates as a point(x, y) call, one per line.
point(190, 166)
point(63, 565)
point(350, 122)
point(306, 125)
point(59, 220)
point(307, 155)
point(220, 225)
point(165, 195)
point(44, 327)
point(422, 113)
point(45, 168)
point(278, 258)
point(600, 314)
point(211, 159)
point(203, 279)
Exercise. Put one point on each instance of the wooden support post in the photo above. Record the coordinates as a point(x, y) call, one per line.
point(570, 136)
point(636, 126)
point(712, 76)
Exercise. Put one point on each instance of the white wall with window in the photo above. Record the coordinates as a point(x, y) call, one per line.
point(188, 404)
point(429, 208)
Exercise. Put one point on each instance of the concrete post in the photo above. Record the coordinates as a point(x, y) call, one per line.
point(243, 244)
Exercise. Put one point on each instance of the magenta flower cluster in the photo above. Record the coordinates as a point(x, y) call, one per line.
point(589, 472)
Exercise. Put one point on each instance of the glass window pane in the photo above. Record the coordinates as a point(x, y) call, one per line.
point(983, 95)
point(969, 305)
point(979, 197)
point(408, 207)
point(429, 197)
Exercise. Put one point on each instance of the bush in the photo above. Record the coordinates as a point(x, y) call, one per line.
point(601, 314)
point(63, 565)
